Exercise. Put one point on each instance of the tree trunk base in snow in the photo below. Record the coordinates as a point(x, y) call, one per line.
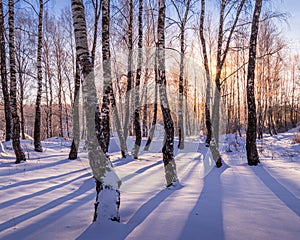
point(74, 151)
point(18, 161)
point(170, 172)
point(150, 137)
point(181, 138)
point(107, 203)
point(38, 148)
point(207, 141)
point(252, 154)
point(216, 155)
point(20, 155)
point(252, 161)
point(219, 163)
point(124, 154)
point(181, 145)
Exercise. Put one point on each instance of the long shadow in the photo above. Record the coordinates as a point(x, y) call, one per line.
point(47, 156)
point(144, 211)
point(13, 222)
point(7, 160)
point(8, 163)
point(124, 230)
point(35, 167)
point(141, 170)
point(123, 161)
point(291, 201)
point(44, 222)
point(206, 219)
point(28, 182)
point(47, 190)
point(141, 214)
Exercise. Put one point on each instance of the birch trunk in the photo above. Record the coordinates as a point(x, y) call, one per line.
point(105, 110)
point(168, 147)
point(208, 123)
point(181, 72)
point(154, 120)
point(59, 96)
point(37, 121)
point(48, 79)
point(137, 126)
point(21, 99)
point(20, 155)
point(145, 107)
point(117, 122)
point(4, 82)
point(129, 71)
point(107, 182)
point(207, 76)
point(76, 128)
point(252, 154)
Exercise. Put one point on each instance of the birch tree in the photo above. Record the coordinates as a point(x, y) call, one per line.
point(223, 44)
point(4, 82)
point(105, 109)
point(20, 155)
point(207, 75)
point(107, 182)
point(150, 39)
point(37, 122)
point(76, 127)
point(129, 70)
point(252, 154)
point(183, 19)
point(47, 46)
point(24, 49)
point(137, 125)
point(155, 107)
point(168, 147)
point(59, 58)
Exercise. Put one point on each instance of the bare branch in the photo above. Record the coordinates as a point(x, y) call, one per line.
point(32, 6)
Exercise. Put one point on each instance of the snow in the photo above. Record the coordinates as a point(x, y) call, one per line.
point(52, 197)
point(2, 150)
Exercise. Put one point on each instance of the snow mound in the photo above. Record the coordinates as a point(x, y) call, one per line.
point(55, 139)
point(28, 137)
point(295, 130)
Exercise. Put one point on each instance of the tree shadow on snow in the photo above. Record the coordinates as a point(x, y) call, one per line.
point(50, 205)
point(206, 219)
point(46, 179)
point(37, 229)
point(121, 231)
point(123, 161)
point(141, 170)
point(288, 198)
point(33, 166)
point(40, 193)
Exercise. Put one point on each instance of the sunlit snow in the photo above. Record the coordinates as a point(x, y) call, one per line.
point(51, 197)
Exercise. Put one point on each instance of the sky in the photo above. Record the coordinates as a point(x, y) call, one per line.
point(290, 30)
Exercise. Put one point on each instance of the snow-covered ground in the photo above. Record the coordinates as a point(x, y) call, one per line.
point(51, 197)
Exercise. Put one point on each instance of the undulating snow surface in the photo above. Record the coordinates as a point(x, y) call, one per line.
point(51, 197)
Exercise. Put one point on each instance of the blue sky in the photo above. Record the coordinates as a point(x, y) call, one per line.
point(291, 30)
point(59, 4)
